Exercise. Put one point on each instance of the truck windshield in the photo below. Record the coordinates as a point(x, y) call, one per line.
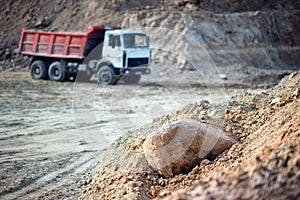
point(135, 40)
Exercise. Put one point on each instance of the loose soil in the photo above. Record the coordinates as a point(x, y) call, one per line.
point(52, 132)
point(264, 164)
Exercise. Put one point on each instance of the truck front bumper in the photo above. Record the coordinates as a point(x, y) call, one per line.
point(137, 70)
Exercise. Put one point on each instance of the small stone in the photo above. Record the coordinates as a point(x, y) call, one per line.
point(223, 76)
point(164, 193)
point(154, 190)
point(276, 101)
point(205, 162)
point(130, 111)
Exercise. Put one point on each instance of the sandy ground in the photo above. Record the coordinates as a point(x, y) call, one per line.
point(50, 133)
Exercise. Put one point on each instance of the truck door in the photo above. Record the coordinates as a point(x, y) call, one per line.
point(114, 52)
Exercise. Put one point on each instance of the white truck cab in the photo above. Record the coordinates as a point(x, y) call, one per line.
point(124, 52)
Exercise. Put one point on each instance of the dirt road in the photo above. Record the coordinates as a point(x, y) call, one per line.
point(52, 132)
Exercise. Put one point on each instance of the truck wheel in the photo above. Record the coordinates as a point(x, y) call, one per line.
point(38, 70)
point(56, 72)
point(132, 79)
point(106, 76)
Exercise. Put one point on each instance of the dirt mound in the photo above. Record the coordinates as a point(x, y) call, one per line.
point(267, 166)
point(264, 164)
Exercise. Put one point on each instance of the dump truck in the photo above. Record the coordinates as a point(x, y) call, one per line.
point(108, 52)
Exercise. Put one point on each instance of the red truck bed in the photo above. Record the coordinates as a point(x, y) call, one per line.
point(61, 44)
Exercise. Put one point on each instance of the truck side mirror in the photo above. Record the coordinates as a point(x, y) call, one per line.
point(148, 40)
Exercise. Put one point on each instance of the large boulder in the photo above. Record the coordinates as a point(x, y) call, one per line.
point(182, 144)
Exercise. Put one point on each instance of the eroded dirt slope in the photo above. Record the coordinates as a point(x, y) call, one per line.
point(235, 34)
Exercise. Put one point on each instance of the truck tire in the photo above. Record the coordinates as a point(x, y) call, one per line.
point(56, 72)
point(38, 70)
point(106, 76)
point(132, 79)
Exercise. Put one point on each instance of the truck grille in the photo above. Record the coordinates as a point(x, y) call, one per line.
point(135, 62)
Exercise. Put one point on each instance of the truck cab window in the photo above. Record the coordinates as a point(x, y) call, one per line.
point(114, 41)
point(135, 41)
point(117, 41)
